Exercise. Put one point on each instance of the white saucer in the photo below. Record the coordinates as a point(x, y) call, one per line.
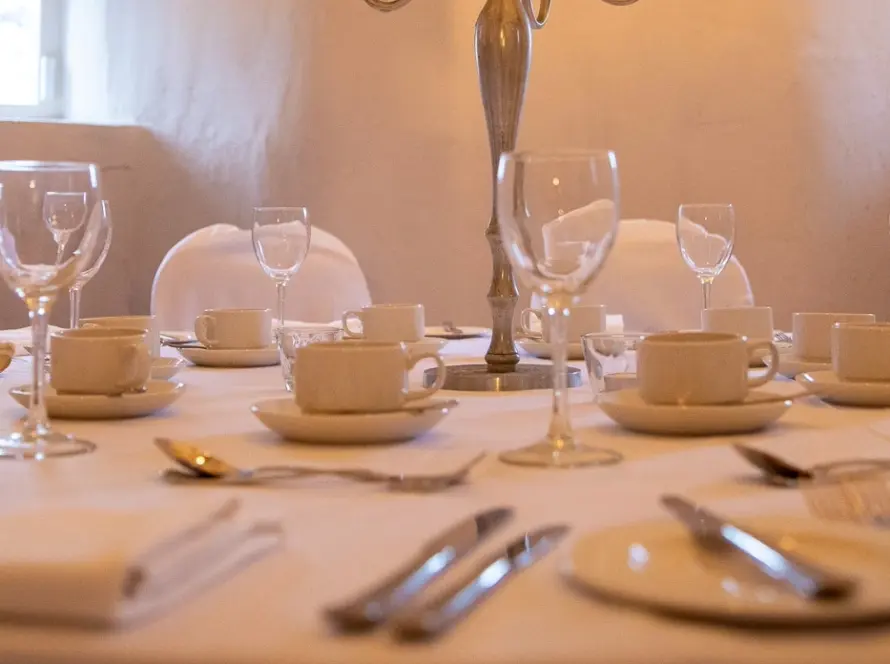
point(541, 349)
point(791, 365)
point(759, 410)
point(659, 567)
point(242, 358)
point(467, 332)
point(426, 345)
point(164, 368)
point(158, 395)
point(284, 417)
point(828, 387)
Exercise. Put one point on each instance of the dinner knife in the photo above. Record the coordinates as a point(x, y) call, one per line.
point(444, 611)
point(377, 604)
point(805, 578)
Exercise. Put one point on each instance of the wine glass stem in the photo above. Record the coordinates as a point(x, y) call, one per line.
point(706, 292)
point(74, 297)
point(560, 433)
point(36, 425)
point(281, 286)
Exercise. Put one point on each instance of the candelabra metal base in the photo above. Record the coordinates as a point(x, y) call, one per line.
point(477, 378)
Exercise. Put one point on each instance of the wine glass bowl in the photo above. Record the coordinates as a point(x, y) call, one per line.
point(38, 268)
point(705, 236)
point(281, 238)
point(558, 214)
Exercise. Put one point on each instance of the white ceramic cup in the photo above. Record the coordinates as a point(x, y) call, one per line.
point(147, 323)
point(585, 319)
point(387, 323)
point(699, 368)
point(811, 333)
point(751, 322)
point(99, 360)
point(861, 351)
point(234, 329)
point(358, 377)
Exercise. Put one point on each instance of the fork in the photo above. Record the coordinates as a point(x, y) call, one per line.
point(450, 328)
point(781, 337)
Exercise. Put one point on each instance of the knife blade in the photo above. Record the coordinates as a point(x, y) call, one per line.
point(805, 578)
point(444, 611)
point(377, 604)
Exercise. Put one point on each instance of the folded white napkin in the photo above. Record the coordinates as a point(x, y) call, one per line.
point(22, 337)
point(111, 565)
point(811, 448)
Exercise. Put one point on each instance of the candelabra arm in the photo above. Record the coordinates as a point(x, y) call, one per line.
point(538, 20)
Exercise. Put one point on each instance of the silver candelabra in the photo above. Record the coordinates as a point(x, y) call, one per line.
point(503, 57)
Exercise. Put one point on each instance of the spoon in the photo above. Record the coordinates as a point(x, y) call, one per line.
point(203, 465)
point(782, 472)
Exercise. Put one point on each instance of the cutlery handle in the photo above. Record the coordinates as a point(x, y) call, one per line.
point(264, 473)
point(377, 604)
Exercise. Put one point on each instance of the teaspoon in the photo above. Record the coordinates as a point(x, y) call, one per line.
point(782, 472)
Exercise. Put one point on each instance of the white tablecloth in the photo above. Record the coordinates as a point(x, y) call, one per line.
point(342, 536)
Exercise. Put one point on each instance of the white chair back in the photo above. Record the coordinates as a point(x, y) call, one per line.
point(646, 280)
point(215, 267)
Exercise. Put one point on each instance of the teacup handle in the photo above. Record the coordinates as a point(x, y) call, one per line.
point(525, 323)
point(413, 395)
point(138, 363)
point(348, 316)
point(204, 329)
point(773, 364)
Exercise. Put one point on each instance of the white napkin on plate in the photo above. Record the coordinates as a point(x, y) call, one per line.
point(22, 337)
point(810, 448)
point(111, 565)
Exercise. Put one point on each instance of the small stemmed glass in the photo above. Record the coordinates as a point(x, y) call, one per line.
point(103, 244)
point(38, 268)
point(705, 235)
point(64, 212)
point(281, 237)
point(558, 216)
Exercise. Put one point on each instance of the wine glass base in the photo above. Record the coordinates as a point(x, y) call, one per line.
point(479, 378)
point(544, 454)
point(36, 448)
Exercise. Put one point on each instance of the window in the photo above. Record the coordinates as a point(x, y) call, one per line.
point(31, 46)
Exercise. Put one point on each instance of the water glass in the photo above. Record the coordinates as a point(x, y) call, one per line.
point(291, 338)
point(281, 238)
point(611, 360)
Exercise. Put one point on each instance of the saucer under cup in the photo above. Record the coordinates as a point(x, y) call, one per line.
point(157, 395)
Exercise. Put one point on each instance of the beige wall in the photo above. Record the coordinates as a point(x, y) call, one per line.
point(374, 122)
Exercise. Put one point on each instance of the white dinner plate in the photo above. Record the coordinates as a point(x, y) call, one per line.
point(426, 345)
point(762, 407)
point(828, 387)
point(158, 395)
point(790, 365)
point(658, 566)
point(466, 332)
point(231, 359)
point(164, 368)
point(285, 418)
point(542, 349)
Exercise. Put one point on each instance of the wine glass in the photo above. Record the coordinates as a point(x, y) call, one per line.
point(705, 234)
point(64, 212)
point(558, 216)
point(94, 262)
point(34, 268)
point(281, 237)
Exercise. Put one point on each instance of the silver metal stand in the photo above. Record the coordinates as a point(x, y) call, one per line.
point(503, 57)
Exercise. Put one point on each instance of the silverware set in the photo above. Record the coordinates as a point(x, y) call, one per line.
point(396, 602)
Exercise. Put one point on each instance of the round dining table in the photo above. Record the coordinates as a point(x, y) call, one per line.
point(341, 536)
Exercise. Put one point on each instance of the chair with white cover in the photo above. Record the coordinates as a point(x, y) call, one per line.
point(646, 280)
point(215, 267)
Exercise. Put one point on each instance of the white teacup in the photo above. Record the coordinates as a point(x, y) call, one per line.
point(387, 322)
point(811, 333)
point(585, 319)
point(234, 329)
point(699, 368)
point(861, 351)
point(751, 322)
point(99, 360)
point(147, 323)
point(358, 377)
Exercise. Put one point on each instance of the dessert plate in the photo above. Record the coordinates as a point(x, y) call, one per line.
point(231, 359)
point(543, 349)
point(762, 408)
point(466, 332)
point(790, 365)
point(426, 345)
point(285, 418)
point(828, 387)
point(158, 395)
point(657, 566)
point(164, 368)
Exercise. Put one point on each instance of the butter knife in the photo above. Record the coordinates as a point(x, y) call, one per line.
point(377, 604)
point(805, 578)
point(444, 611)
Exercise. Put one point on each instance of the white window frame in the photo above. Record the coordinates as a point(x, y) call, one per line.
point(53, 20)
